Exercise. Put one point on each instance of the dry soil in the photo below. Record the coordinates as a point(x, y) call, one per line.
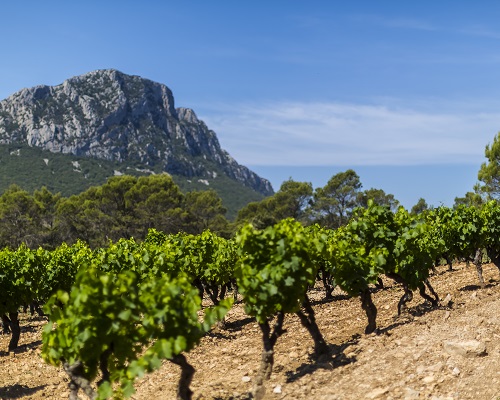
point(448, 352)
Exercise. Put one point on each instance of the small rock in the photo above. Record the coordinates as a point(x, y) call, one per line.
point(420, 369)
point(436, 367)
point(246, 379)
point(447, 301)
point(277, 389)
point(468, 348)
point(447, 315)
point(428, 379)
point(411, 394)
point(376, 393)
point(455, 371)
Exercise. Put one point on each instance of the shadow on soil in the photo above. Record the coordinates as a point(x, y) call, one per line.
point(408, 316)
point(472, 288)
point(28, 346)
point(22, 349)
point(28, 329)
point(331, 299)
point(238, 324)
point(335, 359)
point(18, 391)
point(338, 358)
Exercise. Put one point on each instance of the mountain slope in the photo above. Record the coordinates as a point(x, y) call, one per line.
point(110, 116)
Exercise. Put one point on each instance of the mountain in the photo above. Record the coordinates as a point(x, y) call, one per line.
point(125, 120)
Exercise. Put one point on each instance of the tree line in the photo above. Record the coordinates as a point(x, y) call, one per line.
point(127, 206)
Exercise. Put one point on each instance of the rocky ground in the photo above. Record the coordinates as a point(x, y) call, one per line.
point(450, 352)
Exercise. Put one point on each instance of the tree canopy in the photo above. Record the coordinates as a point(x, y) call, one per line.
point(489, 173)
point(330, 206)
point(334, 203)
point(124, 207)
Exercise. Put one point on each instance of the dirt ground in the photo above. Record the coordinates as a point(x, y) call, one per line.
point(449, 352)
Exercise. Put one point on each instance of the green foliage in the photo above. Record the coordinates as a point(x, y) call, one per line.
point(335, 202)
point(207, 257)
point(209, 260)
point(379, 197)
point(471, 199)
point(420, 207)
point(291, 201)
point(155, 237)
point(490, 229)
point(460, 229)
point(416, 248)
point(128, 207)
point(276, 268)
point(108, 318)
point(205, 210)
point(100, 318)
point(154, 202)
point(19, 217)
point(60, 267)
point(363, 249)
point(489, 173)
point(19, 279)
point(32, 168)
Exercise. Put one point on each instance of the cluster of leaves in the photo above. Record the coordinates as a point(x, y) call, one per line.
point(128, 297)
point(275, 269)
point(209, 260)
point(379, 242)
point(28, 276)
point(106, 305)
point(277, 266)
point(415, 250)
point(461, 229)
point(363, 249)
point(107, 319)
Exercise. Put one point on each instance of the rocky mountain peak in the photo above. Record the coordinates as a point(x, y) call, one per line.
point(106, 114)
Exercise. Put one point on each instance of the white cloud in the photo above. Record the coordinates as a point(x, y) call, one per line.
point(351, 134)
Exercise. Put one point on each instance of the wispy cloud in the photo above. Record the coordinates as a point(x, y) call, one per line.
point(474, 30)
point(480, 31)
point(351, 134)
point(397, 22)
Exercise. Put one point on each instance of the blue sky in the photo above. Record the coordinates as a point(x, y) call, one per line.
point(405, 93)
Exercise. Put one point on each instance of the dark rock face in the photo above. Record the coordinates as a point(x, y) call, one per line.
point(109, 115)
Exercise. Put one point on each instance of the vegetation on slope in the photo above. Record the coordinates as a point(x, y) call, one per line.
point(32, 168)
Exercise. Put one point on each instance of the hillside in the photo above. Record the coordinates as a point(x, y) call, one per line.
point(127, 122)
point(31, 168)
point(412, 357)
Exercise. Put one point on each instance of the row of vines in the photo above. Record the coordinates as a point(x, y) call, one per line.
point(116, 312)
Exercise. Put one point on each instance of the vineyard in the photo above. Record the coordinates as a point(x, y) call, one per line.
point(284, 312)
